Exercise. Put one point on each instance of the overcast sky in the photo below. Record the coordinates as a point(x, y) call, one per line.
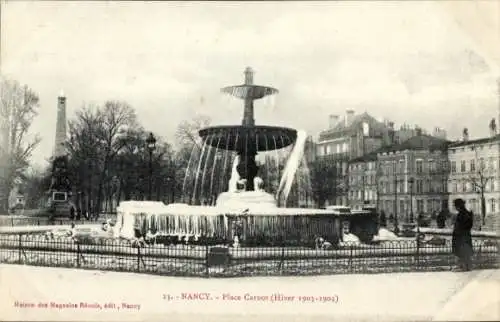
point(411, 61)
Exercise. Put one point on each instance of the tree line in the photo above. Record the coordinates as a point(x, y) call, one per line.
point(107, 157)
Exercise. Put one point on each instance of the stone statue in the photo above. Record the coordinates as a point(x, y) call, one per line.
point(258, 184)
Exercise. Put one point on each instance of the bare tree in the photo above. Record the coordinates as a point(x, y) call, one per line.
point(18, 108)
point(117, 118)
point(85, 157)
point(187, 131)
point(324, 175)
point(479, 178)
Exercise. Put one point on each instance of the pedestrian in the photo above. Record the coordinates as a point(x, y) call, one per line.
point(383, 219)
point(441, 219)
point(461, 238)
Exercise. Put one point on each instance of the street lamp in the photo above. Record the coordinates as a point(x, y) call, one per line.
point(171, 185)
point(151, 145)
point(410, 183)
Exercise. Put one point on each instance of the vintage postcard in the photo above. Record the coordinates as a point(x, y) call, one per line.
point(249, 161)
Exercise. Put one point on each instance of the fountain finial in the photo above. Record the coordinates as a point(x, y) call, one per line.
point(249, 76)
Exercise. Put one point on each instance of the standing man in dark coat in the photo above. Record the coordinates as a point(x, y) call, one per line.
point(462, 239)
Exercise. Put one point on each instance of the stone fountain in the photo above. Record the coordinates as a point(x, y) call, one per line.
point(244, 212)
point(247, 140)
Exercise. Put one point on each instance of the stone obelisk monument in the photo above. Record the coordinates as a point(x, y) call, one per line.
point(60, 139)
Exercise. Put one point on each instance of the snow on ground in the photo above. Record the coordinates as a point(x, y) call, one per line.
point(401, 296)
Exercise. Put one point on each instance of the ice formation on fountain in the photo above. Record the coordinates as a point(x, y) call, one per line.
point(235, 177)
point(238, 199)
point(385, 234)
point(292, 165)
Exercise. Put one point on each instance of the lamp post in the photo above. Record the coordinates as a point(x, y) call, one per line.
point(171, 185)
point(151, 145)
point(410, 184)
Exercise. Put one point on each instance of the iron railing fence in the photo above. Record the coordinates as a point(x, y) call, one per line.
point(14, 221)
point(222, 261)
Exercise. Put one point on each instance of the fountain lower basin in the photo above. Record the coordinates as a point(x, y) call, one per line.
point(254, 222)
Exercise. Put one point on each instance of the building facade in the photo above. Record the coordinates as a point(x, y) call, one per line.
point(363, 187)
point(475, 177)
point(412, 178)
point(348, 138)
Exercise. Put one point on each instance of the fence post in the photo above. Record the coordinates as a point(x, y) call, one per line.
point(207, 270)
point(78, 255)
point(480, 256)
point(138, 258)
point(351, 254)
point(417, 255)
point(20, 245)
point(282, 261)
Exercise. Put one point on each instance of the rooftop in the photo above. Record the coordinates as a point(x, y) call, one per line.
point(419, 142)
point(489, 139)
point(355, 124)
point(365, 158)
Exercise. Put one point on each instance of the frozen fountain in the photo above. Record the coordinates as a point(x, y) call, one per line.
point(243, 210)
point(247, 140)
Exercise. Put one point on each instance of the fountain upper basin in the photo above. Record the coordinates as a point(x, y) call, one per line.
point(248, 138)
point(249, 91)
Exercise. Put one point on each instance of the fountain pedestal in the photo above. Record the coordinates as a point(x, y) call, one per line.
point(247, 168)
point(251, 200)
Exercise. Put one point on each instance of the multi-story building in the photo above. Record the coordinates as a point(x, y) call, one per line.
point(412, 177)
point(363, 187)
point(406, 132)
point(347, 138)
point(475, 176)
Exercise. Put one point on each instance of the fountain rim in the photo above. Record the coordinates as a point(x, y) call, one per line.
point(219, 131)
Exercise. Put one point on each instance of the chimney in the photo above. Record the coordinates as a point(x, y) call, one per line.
point(390, 125)
point(349, 115)
point(333, 120)
point(493, 127)
point(465, 135)
point(418, 131)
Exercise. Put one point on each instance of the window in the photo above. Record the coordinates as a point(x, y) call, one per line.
point(463, 167)
point(473, 205)
point(419, 164)
point(472, 165)
point(401, 206)
point(419, 188)
point(491, 163)
point(493, 206)
point(432, 166)
point(444, 186)
point(420, 205)
point(464, 186)
point(481, 164)
point(401, 166)
point(453, 166)
point(454, 187)
point(492, 184)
